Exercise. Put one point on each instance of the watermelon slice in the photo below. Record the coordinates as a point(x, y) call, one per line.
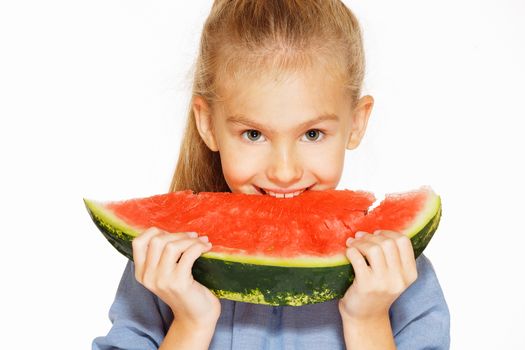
point(267, 250)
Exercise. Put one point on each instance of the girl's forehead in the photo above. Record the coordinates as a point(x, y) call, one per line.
point(297, 97)
point(316, 85)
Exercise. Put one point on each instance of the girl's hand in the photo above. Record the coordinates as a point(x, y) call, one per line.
point(163, 263)
point(390, 270)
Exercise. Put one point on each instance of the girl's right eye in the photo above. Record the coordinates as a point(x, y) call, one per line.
point(252, 135)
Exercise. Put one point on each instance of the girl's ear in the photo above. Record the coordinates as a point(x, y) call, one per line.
point(203, 121)
point(359, 121)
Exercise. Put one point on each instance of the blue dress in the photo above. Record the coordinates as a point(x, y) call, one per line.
point(419, 318)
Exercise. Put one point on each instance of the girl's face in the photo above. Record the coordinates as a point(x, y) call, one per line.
point(282, 137)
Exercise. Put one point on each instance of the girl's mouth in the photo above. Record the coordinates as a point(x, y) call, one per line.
point(289, 194)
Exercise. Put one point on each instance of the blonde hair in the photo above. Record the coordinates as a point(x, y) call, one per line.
point(246, 38)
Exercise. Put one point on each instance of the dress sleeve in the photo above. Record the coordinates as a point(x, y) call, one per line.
point(140, 319)
point(420, 316)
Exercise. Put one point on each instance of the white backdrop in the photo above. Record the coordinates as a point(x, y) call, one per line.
point(93, 96)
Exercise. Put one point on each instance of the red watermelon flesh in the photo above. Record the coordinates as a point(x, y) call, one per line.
point(315, 223)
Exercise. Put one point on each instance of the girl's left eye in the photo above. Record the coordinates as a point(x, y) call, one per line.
point(314, 135)
point(252, 135)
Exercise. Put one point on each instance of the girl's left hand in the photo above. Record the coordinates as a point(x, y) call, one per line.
point(390, 270)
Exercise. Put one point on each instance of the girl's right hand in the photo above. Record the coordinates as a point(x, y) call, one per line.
point(163, 263)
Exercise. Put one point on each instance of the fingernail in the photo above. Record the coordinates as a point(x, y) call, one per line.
point(204, 238)
point(192, 234)
point(360, 234)
point(376, 232)
point(349, 240)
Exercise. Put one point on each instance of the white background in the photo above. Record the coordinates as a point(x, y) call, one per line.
point(93, 96)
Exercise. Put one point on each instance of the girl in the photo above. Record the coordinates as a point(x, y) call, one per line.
point(276, 102)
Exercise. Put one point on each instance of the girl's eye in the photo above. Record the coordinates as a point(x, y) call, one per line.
point(252, 135)
point(313, 134)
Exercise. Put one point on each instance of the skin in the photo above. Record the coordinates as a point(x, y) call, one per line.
point(275, 145)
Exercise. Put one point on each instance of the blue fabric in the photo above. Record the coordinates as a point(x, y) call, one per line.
point(419, 318)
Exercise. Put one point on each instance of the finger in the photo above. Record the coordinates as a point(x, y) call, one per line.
point(406, 253)
point(189, 256)
point(139, 248)
point(172, 252)
point(387, 240)
point(358, 262)
point(360, 234)
point(156, 246)
point(373, 253)
point(357, 235)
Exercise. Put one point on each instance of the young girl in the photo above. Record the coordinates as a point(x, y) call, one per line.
point(276, 102)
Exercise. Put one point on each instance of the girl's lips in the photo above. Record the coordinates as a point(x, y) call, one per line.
point(282, 193)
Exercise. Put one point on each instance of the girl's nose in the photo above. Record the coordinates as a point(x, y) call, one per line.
point(285, 169)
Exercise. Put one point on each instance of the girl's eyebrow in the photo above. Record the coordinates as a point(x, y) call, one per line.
point(242, 119)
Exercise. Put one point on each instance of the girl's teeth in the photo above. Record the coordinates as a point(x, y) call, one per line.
point(284, 195)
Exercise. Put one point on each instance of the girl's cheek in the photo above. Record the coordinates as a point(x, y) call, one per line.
point(240, 166)
point(326, 163)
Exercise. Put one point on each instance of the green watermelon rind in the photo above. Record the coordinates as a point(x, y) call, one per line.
point(239, 280)
point(116, 231)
